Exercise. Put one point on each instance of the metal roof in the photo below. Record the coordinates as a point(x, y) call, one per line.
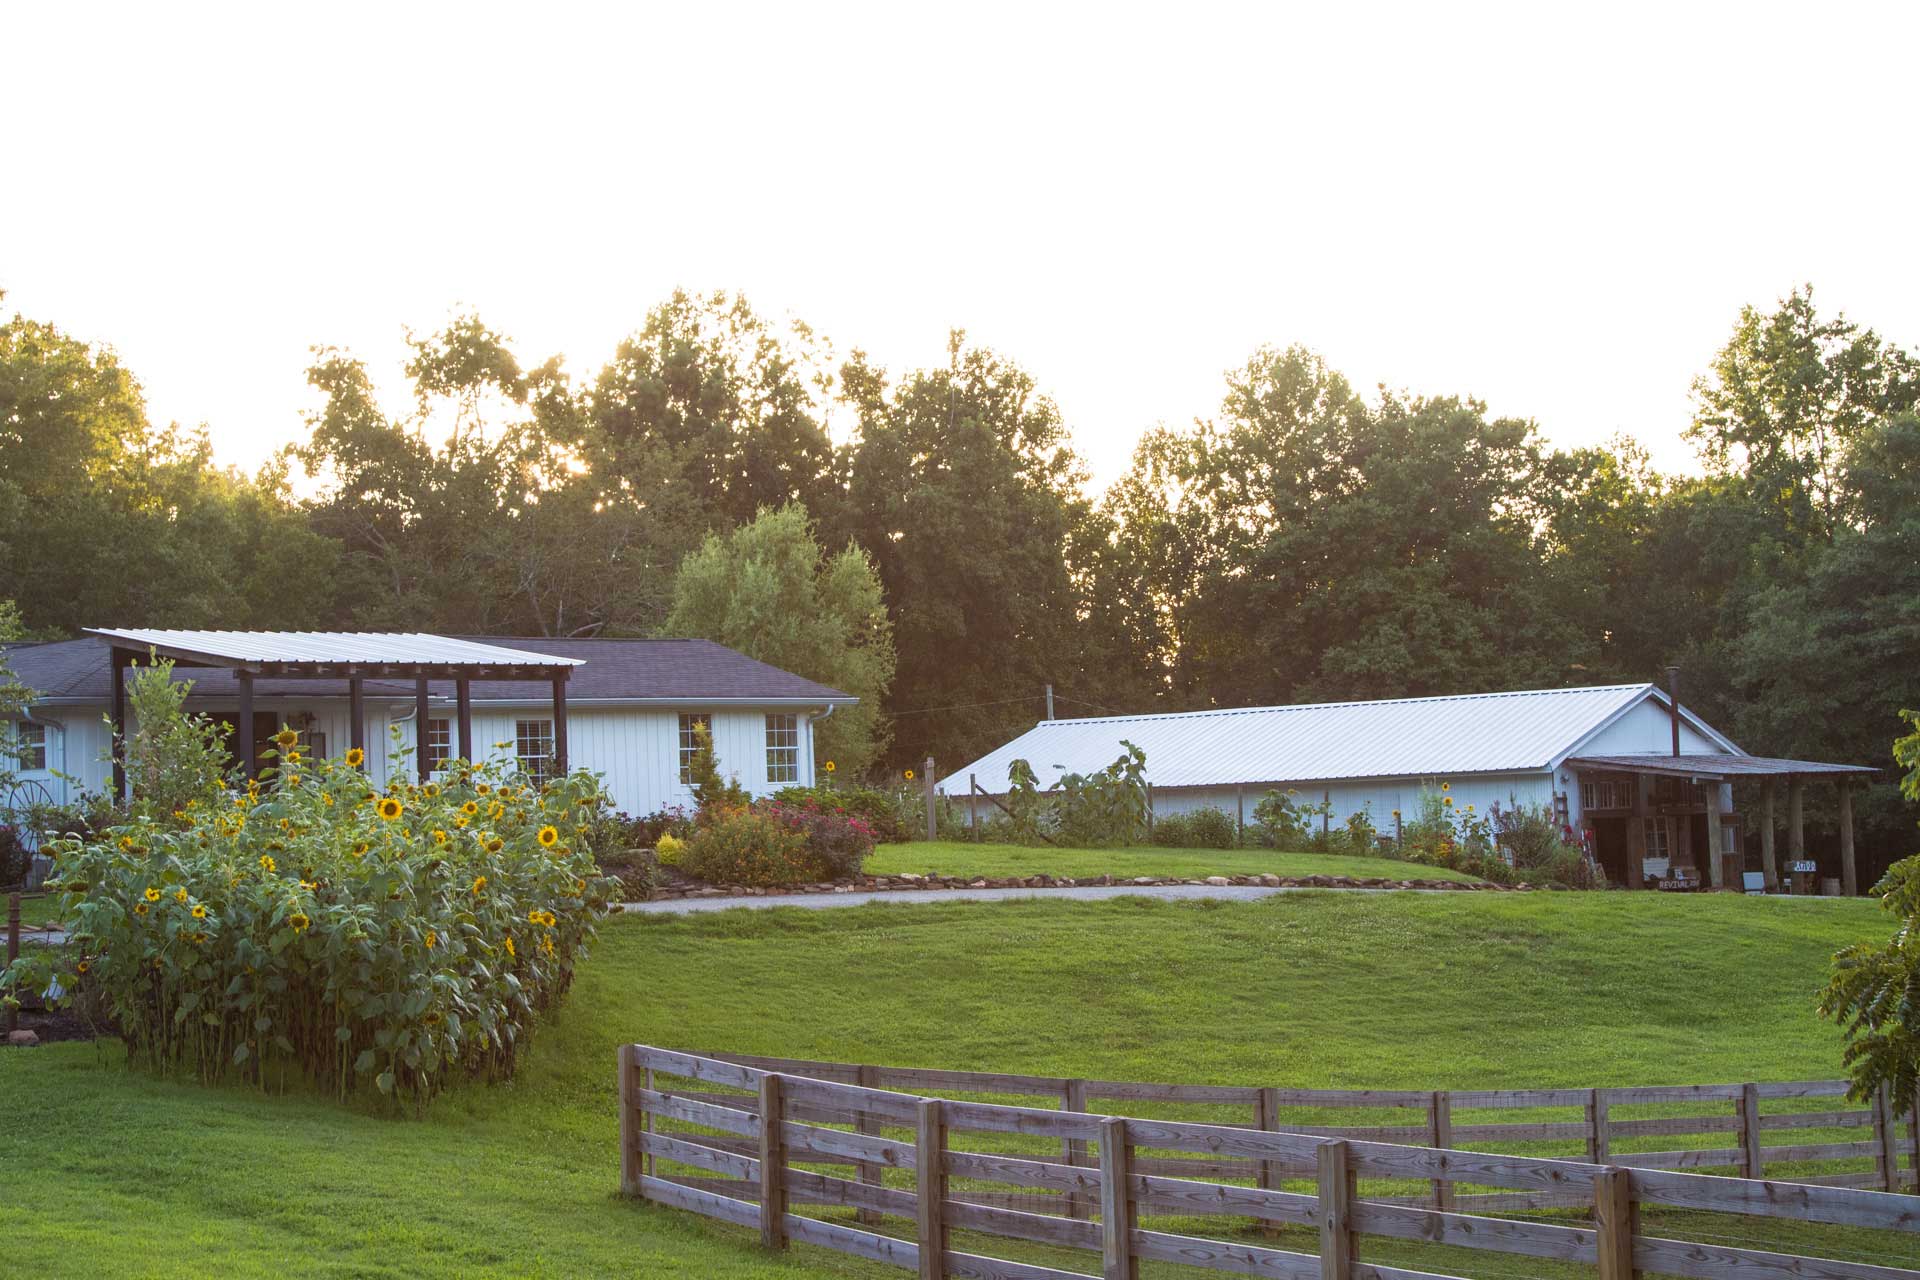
point(246, 648)
point(1716, 766)
point(1397, 738)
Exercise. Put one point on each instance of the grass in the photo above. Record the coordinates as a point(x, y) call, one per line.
point(35, 910)
point(964, 858)
point(125, 1173)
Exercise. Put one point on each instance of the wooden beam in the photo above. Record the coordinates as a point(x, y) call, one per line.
point(1637, 833)
point(629, 1130)
point(1613, 1223)
point(243, 723)
point(560, 726)
point(930, 1186)
point(1336, 1211)
point(1716, 858)
point(1769, 865)
point(1796, 818)
point(118, 660)
point(357, 713)
point(1849, 875)
point(1118, 1215)
point(463, 709)
point(773, 1161)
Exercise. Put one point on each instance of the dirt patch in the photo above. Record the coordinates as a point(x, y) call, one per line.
point(56, 1024)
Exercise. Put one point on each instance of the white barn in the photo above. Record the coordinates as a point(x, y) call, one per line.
point(1622, 765)
point(627, 713)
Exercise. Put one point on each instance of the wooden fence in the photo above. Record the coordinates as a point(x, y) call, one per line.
point(1113, 1169)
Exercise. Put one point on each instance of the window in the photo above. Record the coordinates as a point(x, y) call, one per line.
point(30, 746)
point(439, 742)
point(1656, 837)
point(1606, 793)
point(533, 744)
point(783, 748)
point(687, 745)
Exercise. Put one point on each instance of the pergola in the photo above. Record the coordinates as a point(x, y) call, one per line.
point(355, 657)
point(1715, 769)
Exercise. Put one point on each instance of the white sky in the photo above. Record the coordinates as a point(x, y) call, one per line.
point(1557, 211)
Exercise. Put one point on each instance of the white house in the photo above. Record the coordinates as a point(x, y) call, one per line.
point(624, 709)
point(1624, 766)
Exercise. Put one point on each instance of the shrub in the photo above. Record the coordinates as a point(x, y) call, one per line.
point(751, 847)
point(670, 850)
point(1283, 822)
point(176, 760)
point(1212, 829)
point(711, 792)
point(1175, 831)
point(880, 810)
point(16, 859)
point(311, 927)
point(838, 843)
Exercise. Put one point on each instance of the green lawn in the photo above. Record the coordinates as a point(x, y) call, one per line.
point(963, 858)
point(120, 1173)
point(35, 910)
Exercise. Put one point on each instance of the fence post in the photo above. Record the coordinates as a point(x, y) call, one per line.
point(646, 1121)
point(1073, 1097)
point(1117, 1215)
point(1883, 1131)
point(629, 1131)
point(1440, 1134)
point(1266, 1172)
point(1614, 1222)
point(1599, 1139)
point(1913, 1134)
point(930, 1188)
point(1750, 1131)
point(1336, 1211)
point(773, 1160)
point(13, 950)
point(867, 1077)
point(933, 821)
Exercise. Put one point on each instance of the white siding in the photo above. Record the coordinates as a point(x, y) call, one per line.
point(1646, 726)
point(1378, 797)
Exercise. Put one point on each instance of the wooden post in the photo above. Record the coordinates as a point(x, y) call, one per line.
point(646, 1121)
point(1149, 812)
point(933, 820)
point(561, 752)
point(1716, 863)
point(1117, 1213)
point(1267, 1173)
point(773, 1159)
point(867, 1077)
point(1849, 877)
point(1336, 1212)
point(1888, 1158)
point(357, 715)
point(1637, 834)
point(930, 1187)
point(1240, 813)
point(463, 715)
point(1796, 815)
point(1440, 1134)
point(117, 663)
point(422, 732)
point(1614, 1215)
point(1073, 1097)
point(13, 950)
point(243, 724)
point(1326, 812)
point(1769, 864)
point(1599, 1129)
point(1755, 1163)
point(973, 810)
point(629, 1131)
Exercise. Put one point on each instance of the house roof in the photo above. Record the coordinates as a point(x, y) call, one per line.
point(256, 649)
point(1693, 766)
point(1393, 738)
point(698, 672)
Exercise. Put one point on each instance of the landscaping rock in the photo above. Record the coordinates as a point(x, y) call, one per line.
point(1219, 882)
point(23, 1039)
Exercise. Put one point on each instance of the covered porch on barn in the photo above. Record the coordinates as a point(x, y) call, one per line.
point(352, 658)
point(1668, 821)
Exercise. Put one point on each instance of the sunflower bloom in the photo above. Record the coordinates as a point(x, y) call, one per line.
point(267, 863)
point(439, 835)
point(510, 950)
point(199, 911)
point(298, 922)
point(470, 808)
point(479, 883)
point(181, 895)
point(153, 894)
point(356, 757)
point(285, 739)
point(548, 837)
point(389, 807)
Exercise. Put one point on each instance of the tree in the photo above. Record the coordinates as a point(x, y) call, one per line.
point(770, 591)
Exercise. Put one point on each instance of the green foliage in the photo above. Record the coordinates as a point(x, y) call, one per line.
point(315, 929)
point(712, 794)
point(1207, 828)
point(1106, 807)
point(176, 760)
point(890, 814)
point(750, 846)
point(769, 590)
point(1280, 821)
point(1537, 847)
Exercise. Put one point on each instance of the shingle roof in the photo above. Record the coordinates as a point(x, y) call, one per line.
point(1397, 738)
point(333, 646)
point(692, 671)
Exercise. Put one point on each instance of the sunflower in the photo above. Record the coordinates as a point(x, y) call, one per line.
point(1446, 786)
point(197, 939)
point(495, 844)
point(433, 939)
point(140, 908)
point(460, 820)
point(431, 790)
point(293, 757)
point(482, 788)
point(181, 895)
point(439, 835)
point(199, 911)
point(1447, 801)
point(82, 967)
point(479, 883)
point(907, 774)
point(267, 864)
point(389, 807)
point(548, 837)
point(510, 950)
point(126, 844)
point(298, 922)
point(360, 850)
point(579, 886)
point(285, 738)
point(496, 809)
point(293, 779)
point(356, 757)
point(153, 894)
point(546, 944)
point(308, 885)
point(470, 808)
point(829, 766)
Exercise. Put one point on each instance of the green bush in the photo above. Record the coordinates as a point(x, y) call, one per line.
point(309, 926)
point(1213, 829)
point(1175, 831)
point(1281, 821)
point(881, 810)
point(751, 847)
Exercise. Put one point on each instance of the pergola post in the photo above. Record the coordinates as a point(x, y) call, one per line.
point(1768, 864)
point(1849, 878)
point(118, 662)
point(243, 723)
point(422, 737)
point(560, 726)
point(357, 715)
point(1796, 818)
point(1716, 864)
point(463, 702)
point(1637, 834)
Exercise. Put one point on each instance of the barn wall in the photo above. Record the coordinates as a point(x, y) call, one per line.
point(1378, 797)
point(1647, 726)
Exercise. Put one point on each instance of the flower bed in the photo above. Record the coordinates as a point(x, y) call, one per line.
point(312, 927)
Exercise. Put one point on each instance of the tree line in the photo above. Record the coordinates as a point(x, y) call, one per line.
point(931, 539)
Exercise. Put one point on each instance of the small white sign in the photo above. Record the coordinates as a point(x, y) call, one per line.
point(1803, 868)
point(1655, 867)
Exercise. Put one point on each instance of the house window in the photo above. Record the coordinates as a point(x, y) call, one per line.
point(783, 748)
point(30, 746)
point(1656, 829)
point(688, 723)
point(1606, 793)
point(533, 744)
point(439, 742)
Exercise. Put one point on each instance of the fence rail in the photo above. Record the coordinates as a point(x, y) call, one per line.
point(1112, 1169)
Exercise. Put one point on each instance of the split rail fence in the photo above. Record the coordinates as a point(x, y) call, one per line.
point(722, 1161)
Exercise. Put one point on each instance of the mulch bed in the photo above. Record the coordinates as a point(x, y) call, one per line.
point(51, 1025)
point(679, 888)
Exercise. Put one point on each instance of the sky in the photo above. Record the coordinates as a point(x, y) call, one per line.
point(1558, 210)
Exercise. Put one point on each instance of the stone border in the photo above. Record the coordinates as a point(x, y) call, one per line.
point(935, 883)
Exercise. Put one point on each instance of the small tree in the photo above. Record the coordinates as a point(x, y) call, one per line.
point(1874, 991)
point(175, 757)
point(711, 792)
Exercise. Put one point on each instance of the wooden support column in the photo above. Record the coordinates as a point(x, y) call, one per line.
point(1614, 1213)
point(932, 801)
point(1716, 859)
point(773, 1160)
point(422, 763)
point(1240, 813)
point(1754, 1162)
point(243, 723)
point(1267, 1174)
point(1073, 1097)
point(1849, 875)
point(629, 1129)
point(867, 1076)
point(1599, 1128)
point(1769, 864)
point(118, 660)
point(357, 714)
point(1118, 1216)
point(1796, 818)
point(930, 1187)
point(560, 726)
point(1336, 1211)
point(1637, 833)
point(1440, 1135)
point(463, 710)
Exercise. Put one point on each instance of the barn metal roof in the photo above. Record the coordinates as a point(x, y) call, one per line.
point(1397, 738)
point(247, 648)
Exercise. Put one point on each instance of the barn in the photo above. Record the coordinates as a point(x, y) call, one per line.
point(1645, 782)
point(625, 709)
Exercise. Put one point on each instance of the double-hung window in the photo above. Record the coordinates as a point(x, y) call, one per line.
point(1656, 829)
point(688, 743)
point(783, 748)
point(533, 745)
point(30, 746)
point(439, 742)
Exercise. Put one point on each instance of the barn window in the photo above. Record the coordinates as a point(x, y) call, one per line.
point(1606, 793)
point(30, 746)
point(783, 748)
point(688, 723)
point(439, 742)
point(533, 745)
point(1656, 837)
